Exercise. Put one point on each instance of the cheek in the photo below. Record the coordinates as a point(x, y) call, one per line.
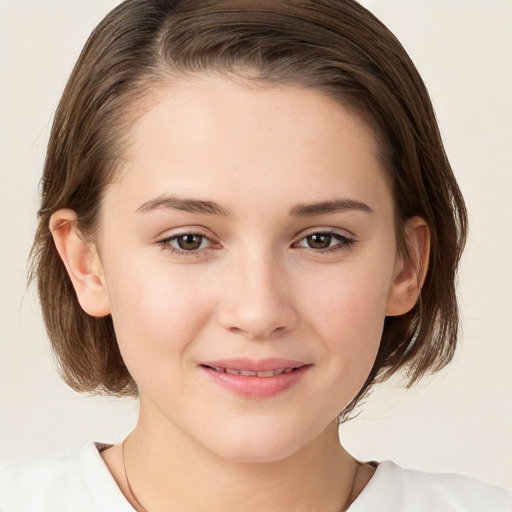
point(348, 315)
point(155, 311)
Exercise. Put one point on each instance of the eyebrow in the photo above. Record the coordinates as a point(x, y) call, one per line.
point(204, 207)
point(333, 206)
point(187, 205)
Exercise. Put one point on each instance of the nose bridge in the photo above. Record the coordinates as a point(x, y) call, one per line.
point(257, 302)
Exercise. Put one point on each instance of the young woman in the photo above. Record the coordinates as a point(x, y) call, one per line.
point(248, 220)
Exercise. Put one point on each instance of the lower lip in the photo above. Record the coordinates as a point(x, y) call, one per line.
point(256, 387)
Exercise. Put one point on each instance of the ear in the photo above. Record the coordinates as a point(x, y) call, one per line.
point(410, 269)
point(82, 262)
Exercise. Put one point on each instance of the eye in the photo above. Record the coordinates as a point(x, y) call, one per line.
point(189, 242)
point(186, 243)
point(325, 241)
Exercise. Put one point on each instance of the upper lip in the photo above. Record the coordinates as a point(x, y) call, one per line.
point(255, 365)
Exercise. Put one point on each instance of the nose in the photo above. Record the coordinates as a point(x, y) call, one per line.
point(257, 302)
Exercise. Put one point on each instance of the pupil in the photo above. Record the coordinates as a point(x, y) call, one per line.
point(319, 241)
point(189, 242)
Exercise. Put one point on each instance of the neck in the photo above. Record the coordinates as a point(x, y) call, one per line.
point(166, 467)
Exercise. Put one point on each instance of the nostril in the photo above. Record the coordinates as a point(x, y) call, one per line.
point(256, 316)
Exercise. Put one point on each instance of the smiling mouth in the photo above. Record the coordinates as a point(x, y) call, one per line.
point(256, 379)
point(249, 373)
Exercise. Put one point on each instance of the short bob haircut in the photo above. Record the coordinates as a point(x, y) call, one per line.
point(336, 47)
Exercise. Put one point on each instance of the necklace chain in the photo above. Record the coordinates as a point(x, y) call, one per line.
point(350, 497)
point(139, 504)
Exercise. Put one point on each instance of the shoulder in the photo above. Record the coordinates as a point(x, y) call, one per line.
point(78, 482)
point(451, 491)
point(399, 490)
point(39, 486)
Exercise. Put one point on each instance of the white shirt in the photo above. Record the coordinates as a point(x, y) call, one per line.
point(81, 482)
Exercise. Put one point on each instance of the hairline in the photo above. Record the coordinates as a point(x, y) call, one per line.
point(151, 87)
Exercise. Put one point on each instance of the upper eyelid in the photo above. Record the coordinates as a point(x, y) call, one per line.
point(185, 233)
point(169, 234)
point(325, 230)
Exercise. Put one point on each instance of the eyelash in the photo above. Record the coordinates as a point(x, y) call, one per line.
point(166, 244)
point(344, 242)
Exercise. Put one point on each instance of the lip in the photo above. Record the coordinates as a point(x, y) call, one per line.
point(261, 378)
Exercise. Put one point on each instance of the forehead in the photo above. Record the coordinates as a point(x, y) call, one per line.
point(212, 135)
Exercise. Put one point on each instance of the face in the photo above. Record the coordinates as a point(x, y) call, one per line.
point(248, 257)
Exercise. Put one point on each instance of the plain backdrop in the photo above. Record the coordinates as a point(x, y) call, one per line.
point(460, 420)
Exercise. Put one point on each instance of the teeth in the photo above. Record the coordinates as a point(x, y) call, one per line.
point(269, 373)
point(249, 373)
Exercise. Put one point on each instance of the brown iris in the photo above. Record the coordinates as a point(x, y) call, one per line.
point(189, 242)
point(319, 240)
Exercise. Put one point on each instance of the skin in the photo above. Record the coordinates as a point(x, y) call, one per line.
point(254, 287)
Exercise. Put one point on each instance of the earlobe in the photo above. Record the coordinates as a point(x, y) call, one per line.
point(82, 263)
point(411, 269)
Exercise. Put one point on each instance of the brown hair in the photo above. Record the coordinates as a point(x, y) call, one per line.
point(335, 46)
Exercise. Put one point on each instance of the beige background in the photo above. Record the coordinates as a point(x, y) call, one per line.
point(461, 420)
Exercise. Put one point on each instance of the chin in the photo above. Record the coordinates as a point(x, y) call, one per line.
point(256, 453)
point(259, 444)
